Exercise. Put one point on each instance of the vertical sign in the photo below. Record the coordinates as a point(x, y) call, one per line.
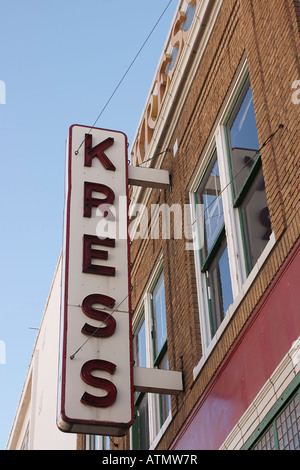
point(96, 376)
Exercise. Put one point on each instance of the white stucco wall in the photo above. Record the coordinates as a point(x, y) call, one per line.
point(37, 406)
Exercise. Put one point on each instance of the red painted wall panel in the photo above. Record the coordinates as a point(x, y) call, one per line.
point(265, 340)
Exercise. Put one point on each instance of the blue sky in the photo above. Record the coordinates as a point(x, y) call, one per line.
point(60, 62)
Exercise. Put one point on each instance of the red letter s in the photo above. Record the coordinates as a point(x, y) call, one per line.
point(104, 317)
point(109, 387)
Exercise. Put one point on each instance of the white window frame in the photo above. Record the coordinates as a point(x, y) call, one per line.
point(156, 430)
point(239, 280)
point(232, 222)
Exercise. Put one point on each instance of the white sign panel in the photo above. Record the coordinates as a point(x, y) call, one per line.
point(96, 374)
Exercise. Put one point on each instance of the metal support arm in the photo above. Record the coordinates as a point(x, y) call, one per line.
point(157, 381)
point(148, 177)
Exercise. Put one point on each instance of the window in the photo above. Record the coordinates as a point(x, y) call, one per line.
point(230, 208)
point(94, 442)
point(284, 433)
point(247, 181)
point(214, 253)
point(159, 334)
point(280, 429)
point(150, 350)
point(140, 434)
point(140, 430)
point(139, 345)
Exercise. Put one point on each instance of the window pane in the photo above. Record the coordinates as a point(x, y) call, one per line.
point(159, 312)
point(220, 287)
point(243, 139)
point(106, 443)
point(144, 439)
point(288, 426)
point(165, 399)
point(287, 430)
point(97, 442)
point(256, 219)
point(267, 442)
point(210, 198)
point(139, 346)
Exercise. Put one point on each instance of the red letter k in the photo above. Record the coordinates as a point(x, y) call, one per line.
point(98, 151)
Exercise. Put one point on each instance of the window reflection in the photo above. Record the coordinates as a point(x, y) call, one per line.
point(214, 253)
point(210, 197)
point(256, 219)
point(159, 311)
point(243, 140)
point(150, 349)
point(247, 178)
point(144, 437)
point(139, 346)
point(220, 285)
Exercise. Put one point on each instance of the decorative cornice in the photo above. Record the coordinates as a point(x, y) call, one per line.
point(164, 77)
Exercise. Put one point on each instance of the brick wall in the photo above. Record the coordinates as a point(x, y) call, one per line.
point(267, 32)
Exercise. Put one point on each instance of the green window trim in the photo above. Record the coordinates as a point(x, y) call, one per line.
point(241, 184)
point(136, 434)
point(205, 262)
point(161, 354)
point(230, 112)
point(244, 242)
point(142, 426)
point(288, 395)
point(213, 250)
point(201, 242)
point(156, 354)
point(210, 309)
point(249, 180)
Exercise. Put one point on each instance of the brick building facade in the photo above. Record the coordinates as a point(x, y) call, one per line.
point(224, 307)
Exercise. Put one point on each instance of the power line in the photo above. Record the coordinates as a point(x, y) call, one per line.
point(128, 68)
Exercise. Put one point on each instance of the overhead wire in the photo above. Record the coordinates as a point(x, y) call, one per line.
point(126, 72)
point(95, 122)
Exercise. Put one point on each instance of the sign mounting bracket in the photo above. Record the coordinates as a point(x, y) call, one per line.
point(148, 177)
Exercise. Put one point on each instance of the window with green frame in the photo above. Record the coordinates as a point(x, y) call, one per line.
point(230, 207)
point(150, 350)
point(280, 430)
point(140, 429)
point(247, 180)
point(214, 254)
point(159, 337)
